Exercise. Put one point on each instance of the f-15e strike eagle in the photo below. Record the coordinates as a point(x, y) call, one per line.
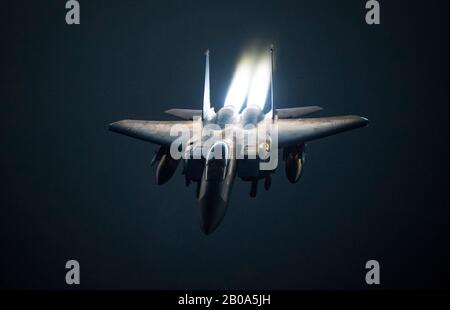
point(239, 140)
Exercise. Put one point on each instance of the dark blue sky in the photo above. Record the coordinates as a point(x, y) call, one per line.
point(72, 190)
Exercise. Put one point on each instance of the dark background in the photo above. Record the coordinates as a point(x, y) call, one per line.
point(70, 189)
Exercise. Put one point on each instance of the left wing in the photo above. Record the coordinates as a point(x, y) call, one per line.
point(157, 132)
point(295, 131)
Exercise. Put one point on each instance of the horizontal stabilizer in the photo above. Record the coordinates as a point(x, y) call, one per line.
point(297, 112)
point(187, 114)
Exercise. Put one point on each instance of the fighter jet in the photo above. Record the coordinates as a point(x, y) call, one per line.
point(212, 157)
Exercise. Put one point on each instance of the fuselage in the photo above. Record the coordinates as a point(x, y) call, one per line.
point(219, 171)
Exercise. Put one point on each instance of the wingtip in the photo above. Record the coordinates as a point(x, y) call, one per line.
point(115, 126)
point(112, 126)
point(359, 121)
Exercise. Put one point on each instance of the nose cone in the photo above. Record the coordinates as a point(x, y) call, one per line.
point(212, 211)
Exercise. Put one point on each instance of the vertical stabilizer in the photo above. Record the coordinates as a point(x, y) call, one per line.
point(207, 112)
point(271, 113)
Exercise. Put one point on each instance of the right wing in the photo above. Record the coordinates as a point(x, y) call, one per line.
point(157, 132)
point(295, 131)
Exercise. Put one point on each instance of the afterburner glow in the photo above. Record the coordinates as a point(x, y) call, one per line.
point(260, 83)
point(239, 86)
point(251, 81)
